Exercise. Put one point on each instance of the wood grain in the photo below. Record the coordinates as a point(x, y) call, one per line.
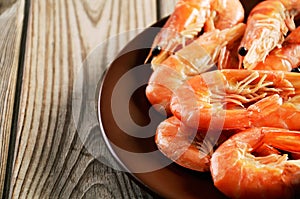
point(11, 19)
point(51, 160)
point(166, 7)
point(5, 4)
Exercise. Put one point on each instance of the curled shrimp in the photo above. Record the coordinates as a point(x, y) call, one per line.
point(228, 58)
point(293, 7)
point(196, 58)
point(285, 58)
point(267, 24)
point(188, 19)
point(240, 172)
point(243, 98)
point(185, 146)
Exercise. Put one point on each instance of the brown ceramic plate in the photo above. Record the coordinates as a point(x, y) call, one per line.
point(122, 102)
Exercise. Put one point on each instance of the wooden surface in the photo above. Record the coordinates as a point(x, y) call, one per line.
point(11, 20)
point(46, 157)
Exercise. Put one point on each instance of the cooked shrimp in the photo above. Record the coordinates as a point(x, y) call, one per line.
point(227, 13)
point(228, 58)
point(184, 145)
point(196, 58)
point(238, 173)
point(267, 24)
point(285, 58)
point(187, 21)
point(293, 7)
point(243, 98)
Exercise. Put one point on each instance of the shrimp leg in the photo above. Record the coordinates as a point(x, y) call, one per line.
point(284, 58)
point(185, 146)
point(196, 58)
point(243, 98)
point(267, 25)
point(271, 176)
point(188, 20)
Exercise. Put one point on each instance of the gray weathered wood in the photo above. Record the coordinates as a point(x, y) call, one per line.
point(5, 4)
point(166, 7)
point(11, 21)
point(50, 158)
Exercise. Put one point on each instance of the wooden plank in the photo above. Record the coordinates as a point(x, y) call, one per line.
point(6, 4)
point(11, 21)
point(50, 158)
point(166, 7)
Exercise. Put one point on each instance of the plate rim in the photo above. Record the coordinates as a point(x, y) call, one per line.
point(136, 177)
point(120, 163)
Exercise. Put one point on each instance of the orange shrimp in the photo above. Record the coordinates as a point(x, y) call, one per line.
point(228, 58)
point(187, 21)
point(185, 146)
point(243, 98)
point(293, 6)
point(227, 13)
point(267, 24)
point(239, 172)
point(196, 58)
point(285, 58)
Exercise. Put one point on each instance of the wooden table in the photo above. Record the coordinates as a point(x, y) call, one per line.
point(42, 46)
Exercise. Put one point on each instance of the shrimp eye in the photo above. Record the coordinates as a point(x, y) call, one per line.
point(156, 50)
point(296, 70)
point(243, 51)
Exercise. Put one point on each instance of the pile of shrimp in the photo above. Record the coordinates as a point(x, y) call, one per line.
point(230, 86)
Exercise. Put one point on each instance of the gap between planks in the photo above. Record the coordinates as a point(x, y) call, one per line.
point(24, 5)
point(164, 10)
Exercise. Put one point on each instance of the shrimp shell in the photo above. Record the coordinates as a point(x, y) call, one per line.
point(240, 99)
point(239, 174)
